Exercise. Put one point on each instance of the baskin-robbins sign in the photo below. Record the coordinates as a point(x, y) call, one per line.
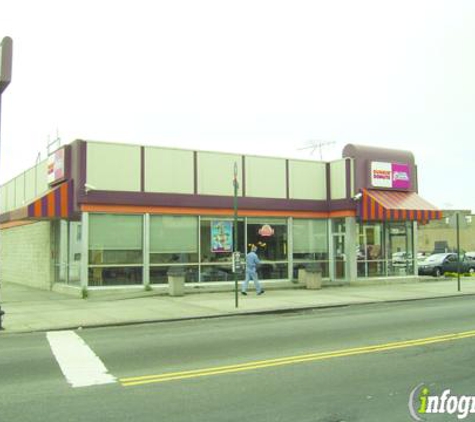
point(390, 175)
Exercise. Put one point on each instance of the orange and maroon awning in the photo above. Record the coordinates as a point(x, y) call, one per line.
point(58, 203)
point(397, 206)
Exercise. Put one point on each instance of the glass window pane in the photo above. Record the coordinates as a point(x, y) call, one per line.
point(173, 234)
point(74, 252)
point(67, 252)
point(209, 251)
point(270, 237)
point(115, 239)
point(322, 266)
point(101, 257)
point(400, 257)
point(370, 251)
point(273, 271)
point(159, 275)
point(310, 236)
point(115, 276)
point(216, 273)
point(115, 232)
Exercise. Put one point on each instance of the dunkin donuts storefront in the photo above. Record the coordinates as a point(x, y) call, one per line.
point(99, 215)
point(388, 211)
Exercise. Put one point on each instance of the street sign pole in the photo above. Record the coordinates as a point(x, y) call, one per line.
point(458, 250)
point(235, 242)
point(456, 222)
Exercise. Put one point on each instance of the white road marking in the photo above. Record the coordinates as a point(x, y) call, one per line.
point(80, 366)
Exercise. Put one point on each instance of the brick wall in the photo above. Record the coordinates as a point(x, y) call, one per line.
point(25, 255)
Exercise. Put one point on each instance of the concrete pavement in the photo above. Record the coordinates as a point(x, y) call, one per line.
point(27, 309)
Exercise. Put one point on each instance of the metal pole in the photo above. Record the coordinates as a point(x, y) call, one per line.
point(6, 47)
point(1, 312)
point(458, 251)
point(235, 248)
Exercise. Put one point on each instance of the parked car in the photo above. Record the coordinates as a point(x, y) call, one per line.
point(399, 258)
point(440, 263)
point(421, 256)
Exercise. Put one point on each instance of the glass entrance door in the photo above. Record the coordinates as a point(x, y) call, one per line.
point(67, 252)
point(339, 256)
point(338, 249)
point(400, 247)
point(370, 251)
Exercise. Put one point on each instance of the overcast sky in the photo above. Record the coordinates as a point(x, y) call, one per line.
point(254, 77)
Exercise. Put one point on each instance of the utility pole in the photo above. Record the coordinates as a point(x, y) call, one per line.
point(6, 50)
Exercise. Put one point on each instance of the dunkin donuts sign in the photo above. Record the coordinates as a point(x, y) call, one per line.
point(390, 175)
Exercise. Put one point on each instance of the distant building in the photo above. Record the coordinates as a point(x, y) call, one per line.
point(441, 235)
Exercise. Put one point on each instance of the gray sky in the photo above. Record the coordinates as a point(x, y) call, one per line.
point(255, 77)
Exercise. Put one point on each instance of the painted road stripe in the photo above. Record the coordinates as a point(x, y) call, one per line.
point(148, 379)
point(80, 366)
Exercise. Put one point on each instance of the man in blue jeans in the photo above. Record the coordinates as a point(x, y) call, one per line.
point(252, 261)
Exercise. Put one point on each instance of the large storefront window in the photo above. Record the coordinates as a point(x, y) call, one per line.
point(216, 247)
point(310, 244)
point(270, 236)
point(115, 249)
point(173, 247)
point(385, 249)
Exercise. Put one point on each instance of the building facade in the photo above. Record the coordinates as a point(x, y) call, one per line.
point(100, 215)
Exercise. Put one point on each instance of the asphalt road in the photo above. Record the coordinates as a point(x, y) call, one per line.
point(342, 364)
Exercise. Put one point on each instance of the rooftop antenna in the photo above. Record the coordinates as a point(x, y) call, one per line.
point(313, 145)
point(53, 145)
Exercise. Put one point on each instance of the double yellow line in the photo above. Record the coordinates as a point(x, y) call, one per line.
point(290, 360)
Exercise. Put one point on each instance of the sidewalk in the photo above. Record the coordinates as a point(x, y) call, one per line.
point(27, 309)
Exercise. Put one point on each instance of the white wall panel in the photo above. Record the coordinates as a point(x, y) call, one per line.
point(308, 180)
point(113, 167)
point(266, 177)
point(169, 170)
point(216, 173)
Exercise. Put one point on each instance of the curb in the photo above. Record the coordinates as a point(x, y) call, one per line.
point(276, 311)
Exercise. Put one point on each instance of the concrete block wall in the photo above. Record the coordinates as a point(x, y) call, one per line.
point(25, 255)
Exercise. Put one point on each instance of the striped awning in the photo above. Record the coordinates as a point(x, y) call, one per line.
point(392, 205)
point(57, 203)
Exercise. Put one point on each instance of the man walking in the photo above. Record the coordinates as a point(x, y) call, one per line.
point(252, 261)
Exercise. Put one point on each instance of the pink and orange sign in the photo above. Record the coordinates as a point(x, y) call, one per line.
point(56, 167)
point(390, 175)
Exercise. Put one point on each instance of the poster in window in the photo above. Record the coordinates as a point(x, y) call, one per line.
point(221, 236)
